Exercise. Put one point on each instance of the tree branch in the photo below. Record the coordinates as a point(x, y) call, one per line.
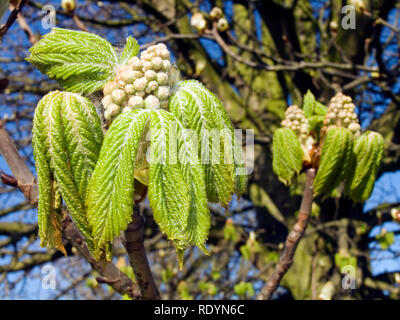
point(134, 245)
point(292, 239)
point(11, 19)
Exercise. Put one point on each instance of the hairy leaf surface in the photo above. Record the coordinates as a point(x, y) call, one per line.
point(110, 199)
point(218, 148)
point(81, 61)
point(287, 154)
point(67, 138)
point(368, 151)
point(131, 49)
point(336, 160)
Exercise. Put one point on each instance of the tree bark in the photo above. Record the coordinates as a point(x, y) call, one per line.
point(292, 239)
point(134, 245)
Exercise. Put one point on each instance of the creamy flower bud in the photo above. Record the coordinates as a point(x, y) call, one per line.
point(135, 102)
point(162, 92)
point(140, 84)
point(113, 109)
point(152, 102)
point(150, 75)
point(152, 86)
point(109, 87)
point(216, 13)
point(118, 96)
point(106, 101)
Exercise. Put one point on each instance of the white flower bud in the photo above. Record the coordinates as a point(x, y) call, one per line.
point(150, 75)
point(157, 63)
point(164, 54)
point(162, 78)
point(126, 109)
point(354, 127)
point(106, 101)
point(129, 76)
point(166, 65)
point(140, 84)
point(118, 96)
point(135, 63)
point(341, 115)
point(146, 65)
point(152, 102)
point(135, 102)
point(113, 109)
point(107, 115)
point(152, 86)
point(109, 87)
point(129, 89)
point(162, 92)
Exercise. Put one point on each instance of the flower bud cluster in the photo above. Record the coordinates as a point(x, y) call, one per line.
point(295, 120)
point(143, 82)
point(341, 114)
point(199, 22)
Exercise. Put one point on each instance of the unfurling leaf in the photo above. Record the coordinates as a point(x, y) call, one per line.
point(336, 160)
point(80, 61)
point(66, 142)
point(131, 49)
point(177, 191)
point(368, 151)
point(176, 180)
point(200, 110)
point(110, 199)
point(311, 107)
point(287, 154)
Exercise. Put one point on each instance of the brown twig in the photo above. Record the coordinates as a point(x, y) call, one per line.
point(134, 245)
point(25, 180)
point(11, 19)
point(292, 239)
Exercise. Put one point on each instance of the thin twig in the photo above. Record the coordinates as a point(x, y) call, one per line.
point(292, 239)
point(11, 19)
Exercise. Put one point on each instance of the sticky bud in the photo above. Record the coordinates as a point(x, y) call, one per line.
point(198, 22)
point(68, 5)
point(216, 14)
point(222, 25)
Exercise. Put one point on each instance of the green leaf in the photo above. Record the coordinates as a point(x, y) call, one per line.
point(287, 154)
point(316, 122)
point(200, 110)
point(385, 239)
point(131, 49)
point(308, 104)
point(80, 61)
point(110, 199)
point(177, 189)
point(67, 138)
point(336, 160)
point(343, 260)
point(176, 185)
point(312, 107)
point(320, 109)
point(368, 150)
